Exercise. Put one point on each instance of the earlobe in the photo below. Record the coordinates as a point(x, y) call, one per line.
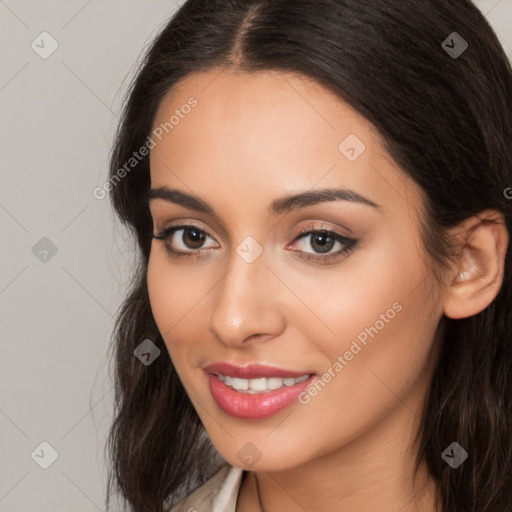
point(478, 274)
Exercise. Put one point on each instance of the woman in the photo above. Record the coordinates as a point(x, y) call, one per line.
point(320, 315)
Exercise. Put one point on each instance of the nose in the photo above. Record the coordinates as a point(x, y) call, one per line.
point(246, 305)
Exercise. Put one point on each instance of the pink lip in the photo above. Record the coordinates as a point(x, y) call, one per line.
point(252, 371)
point(257, 405)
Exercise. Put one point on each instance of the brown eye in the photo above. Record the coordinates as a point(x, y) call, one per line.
point(193, 238)
point(184, 240)
point(322, 242)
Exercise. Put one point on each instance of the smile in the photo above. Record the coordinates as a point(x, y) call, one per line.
point(272, 395)
point(260, 385)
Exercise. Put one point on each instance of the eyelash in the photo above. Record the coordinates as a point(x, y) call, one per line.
point(349, 243)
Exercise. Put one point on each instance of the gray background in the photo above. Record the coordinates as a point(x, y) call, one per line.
point(58, 118)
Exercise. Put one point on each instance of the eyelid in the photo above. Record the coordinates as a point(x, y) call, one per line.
point(180, 217)
point(347, 243)
point(186, 224)
point(315, 227)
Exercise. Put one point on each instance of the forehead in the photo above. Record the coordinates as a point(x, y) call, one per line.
point(282, 107)
point(263, 133)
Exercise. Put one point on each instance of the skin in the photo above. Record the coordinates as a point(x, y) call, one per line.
point(251, 139)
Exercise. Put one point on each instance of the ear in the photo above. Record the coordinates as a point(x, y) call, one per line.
point(478, 274)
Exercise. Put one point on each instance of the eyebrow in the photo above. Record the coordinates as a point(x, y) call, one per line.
point(278, 206)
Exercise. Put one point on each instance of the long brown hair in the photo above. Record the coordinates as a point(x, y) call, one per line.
point(446, 120)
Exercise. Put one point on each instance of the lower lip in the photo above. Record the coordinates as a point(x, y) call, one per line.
point(256, 405)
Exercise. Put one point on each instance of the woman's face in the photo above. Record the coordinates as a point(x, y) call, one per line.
point(254, 288)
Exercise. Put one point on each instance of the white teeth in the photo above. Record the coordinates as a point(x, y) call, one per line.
point(260, 384)
point(274, 383)
point(239, 384)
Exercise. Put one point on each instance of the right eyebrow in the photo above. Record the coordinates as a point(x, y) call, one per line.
point(178, 197)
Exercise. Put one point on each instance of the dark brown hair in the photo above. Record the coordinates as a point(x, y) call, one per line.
point(446, 121)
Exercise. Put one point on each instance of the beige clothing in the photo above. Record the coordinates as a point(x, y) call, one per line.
point(218, 494)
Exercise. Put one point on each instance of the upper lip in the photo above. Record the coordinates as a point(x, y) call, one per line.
point(252, 371)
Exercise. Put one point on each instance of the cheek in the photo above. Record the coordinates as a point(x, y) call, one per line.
point(362, 384)
point(174, 297)
point(363, 381)
point(364, 293)
point(181, 305)
point(174, 289)
point(161, 292)
point(379, 316)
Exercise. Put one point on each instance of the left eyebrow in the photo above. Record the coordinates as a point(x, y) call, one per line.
point(278, 206)
point(310, 198)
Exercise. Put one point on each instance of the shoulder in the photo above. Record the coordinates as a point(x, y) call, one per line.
point(217, 494)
